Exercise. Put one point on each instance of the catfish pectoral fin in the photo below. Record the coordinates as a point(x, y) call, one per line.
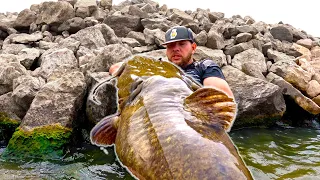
point(213, 107)
point(104, 133)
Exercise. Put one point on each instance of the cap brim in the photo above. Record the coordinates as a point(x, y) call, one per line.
point(175, 40)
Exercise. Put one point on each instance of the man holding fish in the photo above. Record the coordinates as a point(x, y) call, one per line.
point(180, 46)
point(167, 125)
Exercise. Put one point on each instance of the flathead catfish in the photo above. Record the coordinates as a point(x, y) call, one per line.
point(165, 130)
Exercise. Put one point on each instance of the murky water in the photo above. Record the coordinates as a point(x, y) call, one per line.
point(269, 154)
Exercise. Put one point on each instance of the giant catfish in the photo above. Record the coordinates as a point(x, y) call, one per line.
point(166, 128)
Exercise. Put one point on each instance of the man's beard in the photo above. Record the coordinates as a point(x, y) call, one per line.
point(184, 61)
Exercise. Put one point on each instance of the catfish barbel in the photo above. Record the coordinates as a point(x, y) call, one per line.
point(166, 130)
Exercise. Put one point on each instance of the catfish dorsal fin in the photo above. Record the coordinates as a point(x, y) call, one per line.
point(212, 107)
point(104, 133)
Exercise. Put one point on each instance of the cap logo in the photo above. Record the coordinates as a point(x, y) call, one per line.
point(173, 33)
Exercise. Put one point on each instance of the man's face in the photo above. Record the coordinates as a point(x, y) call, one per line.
point(181, 52)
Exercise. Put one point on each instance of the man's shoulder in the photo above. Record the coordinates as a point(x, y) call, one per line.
point(206, 63)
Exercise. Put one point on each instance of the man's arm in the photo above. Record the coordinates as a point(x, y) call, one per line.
point(115, 67)
point(219, 84)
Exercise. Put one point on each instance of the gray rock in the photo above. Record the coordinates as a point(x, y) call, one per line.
point(138, 36)
point(201, 39)
point(232, 51)
point(252, 56)
point(131, 42)
point(62, 12)
point(260, 105)
point(289, 90)
point(108, 56)
point(58, 102)
point(123, 24)
point(215, 40)
point(214, 54)
point(281, 32)
point(243, 37)
point(90, 37)
point(25, 88)
point(24, 38)
point(55, 59)
point(278, 56)
point(28, 56)
point(292, 73)
point(25, 18)
point(72, 25)
point(10, 108)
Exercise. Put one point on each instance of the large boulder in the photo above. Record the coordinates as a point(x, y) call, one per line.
point(292, 73)
point(260, 103)
point(55, 12)
point(46, 129)
point(304, 102)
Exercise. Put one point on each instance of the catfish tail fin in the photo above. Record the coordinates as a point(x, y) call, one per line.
point(104, 133)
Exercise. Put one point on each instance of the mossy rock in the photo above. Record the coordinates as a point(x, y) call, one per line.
point(45, 142)
point(261, 121)
point(7, 127)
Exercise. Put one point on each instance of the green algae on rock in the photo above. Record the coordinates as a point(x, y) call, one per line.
point(7, 126)
point(45, 142)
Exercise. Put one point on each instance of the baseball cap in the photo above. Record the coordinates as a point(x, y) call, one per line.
point(178, 33)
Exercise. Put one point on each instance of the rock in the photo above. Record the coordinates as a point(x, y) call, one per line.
point(157, 23)
point(281, 32)
point(123, 24)
point(243, 37)
point(63, 11)
point(72, 25)
point(292, 73)
point(105, 93)
point(215, 40)
point(10, 109)
point(252, 56)
point(313, 89)
point(13, 48)
point(315, 53)
point(206, 53)
point(316, 100)
point(51, 115)
point(232, 51)
point(304, 51)
point(107, 4)
point(307, 43)
point(90, 37)
point(303, 101)
point(131, 42)
point(108, 56)
point(278, 56)
point(260, 105)
point(25, 18)
point(55, 59)
point(142, 49)
point(201, 39)
point(10, 117)
point(8, 72)
point(25, 88)
point(139, 36)
point(28, 56)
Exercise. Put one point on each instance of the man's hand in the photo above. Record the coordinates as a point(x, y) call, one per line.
point(219, 84)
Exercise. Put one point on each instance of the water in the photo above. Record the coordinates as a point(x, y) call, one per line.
point(269, 153)
point(280, 153)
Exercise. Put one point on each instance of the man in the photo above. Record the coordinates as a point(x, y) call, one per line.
point(180, 47)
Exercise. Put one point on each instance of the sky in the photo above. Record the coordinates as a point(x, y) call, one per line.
point(303, 15)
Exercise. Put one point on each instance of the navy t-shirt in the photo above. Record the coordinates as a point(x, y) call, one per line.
point(202, 69)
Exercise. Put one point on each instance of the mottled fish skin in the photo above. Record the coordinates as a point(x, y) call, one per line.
point(167, 131)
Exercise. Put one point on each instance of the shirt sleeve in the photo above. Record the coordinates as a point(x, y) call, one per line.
point(211, 69)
